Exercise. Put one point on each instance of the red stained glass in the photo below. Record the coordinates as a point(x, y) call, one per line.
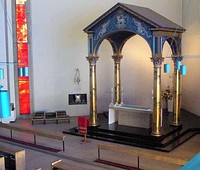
point(22, 55)
point(22, 49)
point(24, 96)
point(21, 23)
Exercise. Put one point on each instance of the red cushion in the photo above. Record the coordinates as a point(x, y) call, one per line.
point(82, 121)
point(82, 124)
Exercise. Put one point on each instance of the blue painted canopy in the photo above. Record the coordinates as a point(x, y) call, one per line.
point(123, 21)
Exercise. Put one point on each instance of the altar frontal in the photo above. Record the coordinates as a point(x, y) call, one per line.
point(130, 115)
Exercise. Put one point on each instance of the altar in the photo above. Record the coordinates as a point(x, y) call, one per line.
point(131, 115)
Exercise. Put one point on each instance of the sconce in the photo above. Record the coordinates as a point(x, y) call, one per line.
point(77, 76)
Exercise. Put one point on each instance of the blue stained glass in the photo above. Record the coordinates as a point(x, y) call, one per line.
point(25, 71)
point(20, 71)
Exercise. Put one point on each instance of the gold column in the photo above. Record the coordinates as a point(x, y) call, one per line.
point(93, 91)
point(176, 101)
point(156, 120)
point(117, 82)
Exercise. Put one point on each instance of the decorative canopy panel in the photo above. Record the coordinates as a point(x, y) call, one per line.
point(123, 21)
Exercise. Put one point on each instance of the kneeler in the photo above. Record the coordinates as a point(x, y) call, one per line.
point(83, 123)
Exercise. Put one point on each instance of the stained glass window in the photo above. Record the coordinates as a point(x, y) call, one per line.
point(22, 51)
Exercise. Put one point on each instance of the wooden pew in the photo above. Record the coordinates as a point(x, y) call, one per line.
point(142, 154)
point(19, 156)
point(65, 166)
point(34, 133)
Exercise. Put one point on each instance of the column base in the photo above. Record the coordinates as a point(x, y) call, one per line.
point(156, 134)
point(95, 125)
point(177, 124)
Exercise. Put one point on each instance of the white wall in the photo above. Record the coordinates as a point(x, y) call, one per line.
point(6, 50)
point(191, 48)
point(59, 46)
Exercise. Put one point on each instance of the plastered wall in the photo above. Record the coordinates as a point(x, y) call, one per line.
point(59, 47)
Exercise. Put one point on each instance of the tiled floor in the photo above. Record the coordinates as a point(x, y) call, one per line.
point(84, 155)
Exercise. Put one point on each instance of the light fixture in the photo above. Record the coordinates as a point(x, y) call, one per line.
point(183, 69)
point(166, 68)
point(178, 65)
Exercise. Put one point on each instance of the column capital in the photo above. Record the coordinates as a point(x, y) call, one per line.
point(177, 58)
point(117, 57)
point(157, 61)
point(92, 59)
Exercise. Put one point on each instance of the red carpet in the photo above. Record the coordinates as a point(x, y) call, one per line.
point(116, 164)
point(30, 144)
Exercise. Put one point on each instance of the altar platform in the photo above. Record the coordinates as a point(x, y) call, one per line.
point(171, 136)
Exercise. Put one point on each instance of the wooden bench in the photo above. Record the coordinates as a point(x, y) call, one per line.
point(143, 154)
point(62, 115)
point(34, 132)
point(14, 158)
point(50, 116)
point(38, 116)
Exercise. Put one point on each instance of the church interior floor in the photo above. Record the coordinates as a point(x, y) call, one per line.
point(84, 155)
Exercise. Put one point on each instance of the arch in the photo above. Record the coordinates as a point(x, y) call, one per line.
point(136, 63)
point(117, 40)
point(167, 78)
point(105, 76)
point(174, 43)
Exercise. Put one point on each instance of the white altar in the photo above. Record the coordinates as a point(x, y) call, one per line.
point(130, 115)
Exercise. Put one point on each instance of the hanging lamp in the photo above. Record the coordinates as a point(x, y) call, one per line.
point(166, 68)
point(178, 65)
point(183, 69)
